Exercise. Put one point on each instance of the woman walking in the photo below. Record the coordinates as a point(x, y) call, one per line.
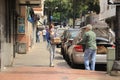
point(52, 45)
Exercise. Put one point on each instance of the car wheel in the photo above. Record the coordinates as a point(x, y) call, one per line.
point(67, 58)
point(72, 64)
point(62, 51)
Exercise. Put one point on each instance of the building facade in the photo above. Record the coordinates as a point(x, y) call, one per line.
point(15, 29)
point(107, 13)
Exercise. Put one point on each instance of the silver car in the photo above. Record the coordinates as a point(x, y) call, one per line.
point(76, 52)
point(59, 33)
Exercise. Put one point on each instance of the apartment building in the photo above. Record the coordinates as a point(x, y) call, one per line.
point(107, 13)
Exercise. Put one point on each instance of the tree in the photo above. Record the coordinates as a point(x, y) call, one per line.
point(66, 8)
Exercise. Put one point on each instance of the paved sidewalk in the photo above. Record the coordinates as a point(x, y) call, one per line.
point(53, 73)
point(38, 56)
point(35, 66)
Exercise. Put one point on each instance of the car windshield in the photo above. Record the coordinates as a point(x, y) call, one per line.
point(60, 32)
point(73, 33)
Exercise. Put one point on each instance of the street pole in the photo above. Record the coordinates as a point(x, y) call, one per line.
point(117, 33)
point(60, 13)
point(74, 1)
point(49, 13)
point(116, 64)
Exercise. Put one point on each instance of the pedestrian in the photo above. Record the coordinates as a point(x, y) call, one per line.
point(48, 38)
point(89, 40)
point(52, 45)
point(38, 36)
point(44, 34)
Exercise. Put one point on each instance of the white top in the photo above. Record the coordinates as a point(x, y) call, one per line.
point(44, 32)
point(38, 33)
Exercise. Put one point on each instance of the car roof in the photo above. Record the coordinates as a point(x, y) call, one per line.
point(72, 29)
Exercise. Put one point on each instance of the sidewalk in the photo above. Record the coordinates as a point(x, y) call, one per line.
point(38, 56)
point(35, 66)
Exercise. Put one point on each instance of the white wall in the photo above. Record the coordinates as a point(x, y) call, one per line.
point(106, 11)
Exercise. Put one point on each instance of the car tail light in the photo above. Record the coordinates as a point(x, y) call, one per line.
point(78, 48)
point(113, 46)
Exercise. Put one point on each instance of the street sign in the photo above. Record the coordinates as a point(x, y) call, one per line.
point(114, 2)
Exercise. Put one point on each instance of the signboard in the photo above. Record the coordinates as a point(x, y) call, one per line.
point(115, 2)
point(21, 25)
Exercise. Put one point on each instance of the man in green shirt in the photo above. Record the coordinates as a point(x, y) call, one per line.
point(89, 39)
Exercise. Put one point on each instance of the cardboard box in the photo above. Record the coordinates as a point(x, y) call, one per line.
point(56, 40)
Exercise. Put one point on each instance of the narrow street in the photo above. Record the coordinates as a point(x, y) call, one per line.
point(35, 66)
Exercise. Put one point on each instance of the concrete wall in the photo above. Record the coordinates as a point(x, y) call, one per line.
point(2, 25)
point(6, 47)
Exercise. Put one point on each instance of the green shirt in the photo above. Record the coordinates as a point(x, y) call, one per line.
point(89, 39)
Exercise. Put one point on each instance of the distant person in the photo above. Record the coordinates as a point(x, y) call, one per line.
point(38, 36)
point(64, 24)
point(44, 34)
point(53, 46)
point(89, 39)
point(48, 38)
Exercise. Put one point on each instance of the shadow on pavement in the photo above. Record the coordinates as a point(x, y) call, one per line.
point(58, 57)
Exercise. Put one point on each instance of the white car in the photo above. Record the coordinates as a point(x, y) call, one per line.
point(76, 52)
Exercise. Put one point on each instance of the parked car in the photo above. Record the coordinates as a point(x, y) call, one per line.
point(59, 33)
point(67, 39)
point(76, 52)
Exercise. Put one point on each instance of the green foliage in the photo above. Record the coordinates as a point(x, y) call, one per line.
point(56, 17)
point(66, 8)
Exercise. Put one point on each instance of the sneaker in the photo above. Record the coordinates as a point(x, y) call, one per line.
point(51, 65)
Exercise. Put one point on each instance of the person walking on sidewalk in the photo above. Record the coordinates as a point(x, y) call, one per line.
point(38, 36)
point(48, 38)
point(89, 39)
point(44, 34)
point(52, 45)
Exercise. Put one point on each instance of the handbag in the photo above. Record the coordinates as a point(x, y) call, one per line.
point(116, 66)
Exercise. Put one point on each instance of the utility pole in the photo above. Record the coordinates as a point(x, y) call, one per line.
point(116, 64)
point(60, 12)
point(74, 3)
point(117, 33)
